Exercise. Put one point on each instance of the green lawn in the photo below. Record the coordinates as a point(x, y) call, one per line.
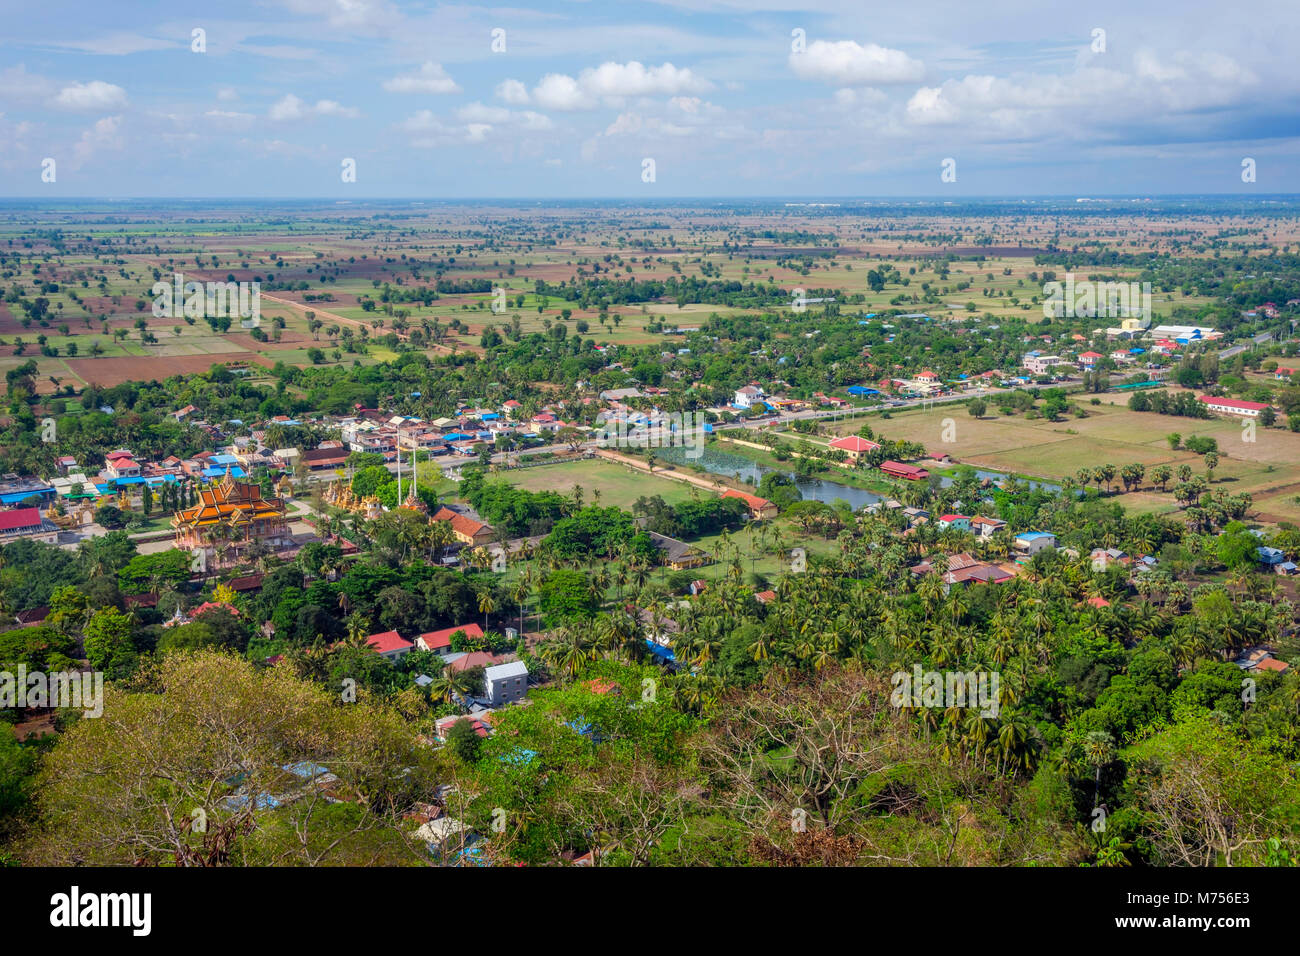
point(617, 484)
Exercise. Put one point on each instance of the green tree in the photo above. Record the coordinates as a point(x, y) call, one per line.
point(463, 741)
point(108, 643)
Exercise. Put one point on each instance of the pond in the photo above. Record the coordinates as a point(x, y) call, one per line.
point(736, 466)
point(817, 489)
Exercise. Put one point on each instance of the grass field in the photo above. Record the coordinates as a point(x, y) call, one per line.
point(1111, 434)
point(618, 485)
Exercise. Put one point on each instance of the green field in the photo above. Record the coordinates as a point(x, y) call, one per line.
point(618, 485)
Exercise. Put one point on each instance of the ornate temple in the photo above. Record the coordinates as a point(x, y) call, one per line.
point(339, 494)
point(233, 511)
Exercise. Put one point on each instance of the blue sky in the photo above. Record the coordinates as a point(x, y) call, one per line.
point(760, 98)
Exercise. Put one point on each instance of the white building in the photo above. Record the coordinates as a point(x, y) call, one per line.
point(1043, 364)
point(1233, 406)
point(1032, 542)
point(505, 683)
point(749, 396)
point(1186, 334)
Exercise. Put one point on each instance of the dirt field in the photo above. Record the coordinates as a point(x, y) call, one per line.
point(113, 371)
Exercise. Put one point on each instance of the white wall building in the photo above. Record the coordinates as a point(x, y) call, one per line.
point(505, 683)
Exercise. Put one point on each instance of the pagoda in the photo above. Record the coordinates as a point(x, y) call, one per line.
point(234, 505)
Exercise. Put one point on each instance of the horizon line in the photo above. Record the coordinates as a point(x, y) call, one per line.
point(787, 197)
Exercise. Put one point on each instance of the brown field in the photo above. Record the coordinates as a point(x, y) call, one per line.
point(115, 370)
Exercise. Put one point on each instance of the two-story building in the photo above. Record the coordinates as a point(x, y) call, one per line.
point(1032, 542)
point(505, 683)
point(749, 396)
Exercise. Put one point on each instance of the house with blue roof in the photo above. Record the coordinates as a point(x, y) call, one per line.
point(1030, 543)
point(1270, 556)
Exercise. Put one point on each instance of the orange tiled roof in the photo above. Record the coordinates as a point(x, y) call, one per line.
point(460, 523)
point(230, 501)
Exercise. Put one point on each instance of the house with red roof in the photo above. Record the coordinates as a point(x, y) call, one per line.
point(832, 400)
point(389, 644)
point(758, 507)
point(854, 446)
point(1089, 359)
point(955, 521)
point(465, 529)
point(121, 466)
point(439, 642)
point(475, 659)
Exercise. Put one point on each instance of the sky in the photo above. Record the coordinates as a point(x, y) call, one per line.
point(352, 99)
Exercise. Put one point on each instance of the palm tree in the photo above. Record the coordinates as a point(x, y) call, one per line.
point(519, 594)
point(1098, 751)
point(569, 652)
point(358, 629)
point(444, 687)
point(487, 605)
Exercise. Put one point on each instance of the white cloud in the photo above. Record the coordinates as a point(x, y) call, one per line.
point(625, 124)
point(475, 123)
point(513, 92)
point(430, 78)
point(478, 113)
point(106, 134)
point(331, 108)
point(95, 95)
point(227, 94)
point(290, 108)
point(1097, 98)
point(228, 116)
point(634, 79)
point(430, 131)
point(610, 83)
point(557, 91)
point(848, 63)
point(121, 44)
point(369, 15)
point(531, 120)
point(928, 106)
point(500, 116)
point(17, 85)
